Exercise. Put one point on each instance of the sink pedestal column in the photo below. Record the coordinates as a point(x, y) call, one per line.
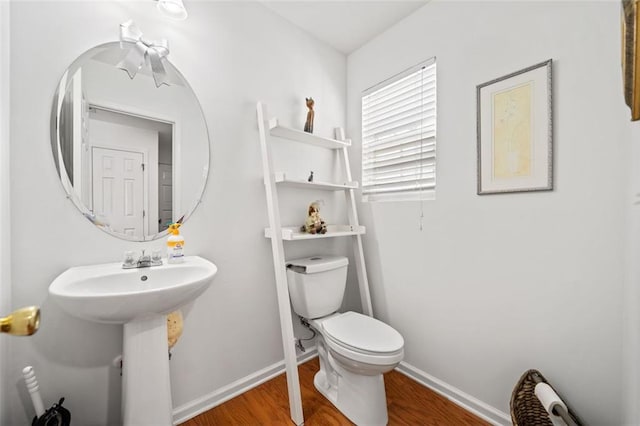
point(146, 387)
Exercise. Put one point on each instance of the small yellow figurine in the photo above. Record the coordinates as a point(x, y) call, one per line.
point(308, 125)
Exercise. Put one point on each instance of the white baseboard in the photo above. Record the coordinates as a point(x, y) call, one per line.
point(455, 395)
point(191, 409)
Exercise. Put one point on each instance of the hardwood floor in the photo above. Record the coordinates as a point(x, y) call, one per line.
point(409, 403)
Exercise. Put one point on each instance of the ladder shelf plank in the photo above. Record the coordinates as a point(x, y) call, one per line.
point(291, 233)
point(283, 180)
point(304, 137)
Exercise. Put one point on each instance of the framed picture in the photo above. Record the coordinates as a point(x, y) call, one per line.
point(515, 132)
point(631, 57)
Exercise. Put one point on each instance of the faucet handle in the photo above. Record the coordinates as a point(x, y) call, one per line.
point(128, 257)
point(129, 261)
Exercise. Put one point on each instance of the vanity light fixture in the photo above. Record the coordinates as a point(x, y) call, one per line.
point(173, 9)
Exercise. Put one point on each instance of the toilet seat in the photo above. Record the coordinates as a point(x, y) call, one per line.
point(363, 339)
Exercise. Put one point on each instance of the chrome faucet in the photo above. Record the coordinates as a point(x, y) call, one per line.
point(144, 261)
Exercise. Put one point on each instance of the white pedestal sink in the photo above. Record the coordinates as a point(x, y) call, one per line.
point(139, 299)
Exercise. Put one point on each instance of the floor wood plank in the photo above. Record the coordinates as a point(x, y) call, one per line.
point(409, 403)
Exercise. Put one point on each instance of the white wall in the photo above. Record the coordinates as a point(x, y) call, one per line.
point(631, 324)
point(233, 54)
point(5, 265)
point(498, 284)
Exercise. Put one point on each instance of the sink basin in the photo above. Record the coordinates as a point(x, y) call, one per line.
point(109, 294)
point(139, 299)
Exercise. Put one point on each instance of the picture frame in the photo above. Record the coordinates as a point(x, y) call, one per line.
point(515, 132)
point(631, 57)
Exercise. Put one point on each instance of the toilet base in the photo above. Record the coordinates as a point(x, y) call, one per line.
point(361, 399)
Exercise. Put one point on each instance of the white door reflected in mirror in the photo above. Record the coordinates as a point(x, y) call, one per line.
point(118, 193)
point(125, 172)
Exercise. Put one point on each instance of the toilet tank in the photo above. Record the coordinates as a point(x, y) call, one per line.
point(316, 284)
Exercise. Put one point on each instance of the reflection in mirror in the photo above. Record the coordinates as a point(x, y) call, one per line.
point(132, 157)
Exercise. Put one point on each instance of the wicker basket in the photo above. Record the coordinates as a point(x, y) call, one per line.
point(526, 409)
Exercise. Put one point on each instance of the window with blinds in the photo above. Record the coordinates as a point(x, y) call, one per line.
point(399, 136)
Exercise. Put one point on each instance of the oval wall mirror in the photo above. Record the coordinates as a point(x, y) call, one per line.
point(131, 156)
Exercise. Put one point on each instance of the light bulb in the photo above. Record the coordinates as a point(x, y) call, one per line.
point(173, 9)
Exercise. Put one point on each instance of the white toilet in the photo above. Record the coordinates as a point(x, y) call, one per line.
point(354, 349)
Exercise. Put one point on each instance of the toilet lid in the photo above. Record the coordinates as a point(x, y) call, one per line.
point(363, 332)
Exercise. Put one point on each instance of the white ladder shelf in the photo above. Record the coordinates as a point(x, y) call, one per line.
point(269, 130)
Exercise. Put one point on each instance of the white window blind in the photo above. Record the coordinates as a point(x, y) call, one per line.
point(399, 136)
